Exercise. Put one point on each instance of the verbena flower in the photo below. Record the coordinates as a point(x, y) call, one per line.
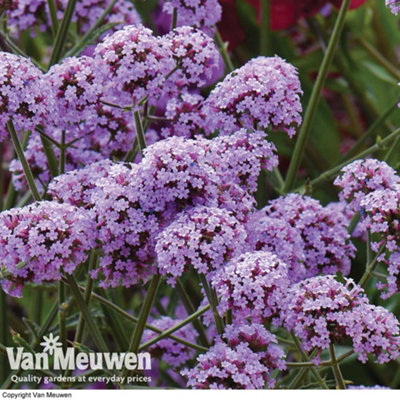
point(327, 245)
point(25, 98)
point(201, 14)
point(252, 285)
point(239, 158)
point(264, 93)
point(362, 177)
point(133, 65)
point(186, 116)
point(195, 54)
point(380, 211)
point(204, 238)
point(394, 6)
point(224, 367)
point(168, 350)
point(322, 311)
point(40, 241)
point(279, 237)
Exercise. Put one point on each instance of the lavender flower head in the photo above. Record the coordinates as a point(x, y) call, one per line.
point(133, 64)
point(186, 116)
point(201, 14)
point(252, 285)
point(25, 98)
point(264, 93)
point(204, 238)
point(327, 245)
point(381, 217)
point(223, 367)
point(195, 54)
point(40, 240)
point(239, 158)
point(279, 237)
point(362, 177)
point(322, 311)
point(175, 172)
point(173, 353)
point(394, 6)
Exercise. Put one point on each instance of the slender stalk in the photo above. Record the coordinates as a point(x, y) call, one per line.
point(212, 299)
point(377, 123)
point(92, 327)
point(62, 32)
point(62, 309)
point(78, 46)
point(129, 317)
point(353, 223)
point(306, 358)
point(62, 153)
point(139, 131)
point(22, 159)
point(191, 310)
point(392, 151)
point(265, 42)
point(53, 16)
point(223, 49)
point(175, 328)
point(379, 58)
point(336, 369)
point(369, 250)
point(143, 316)
point(315, 98)
point(327, 175)
point(174, 20)
point(51, 158)
point(370, 267)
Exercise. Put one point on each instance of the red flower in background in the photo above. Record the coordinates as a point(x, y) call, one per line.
point(284, 14)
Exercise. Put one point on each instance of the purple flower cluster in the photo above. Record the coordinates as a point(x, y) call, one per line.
point(195, 54)
point(326, 242)
point(394, 6)
point(134, 65)
point(252, 285)
point(362, 177)
point(239, 158)
point(262, 94)
point(322, 311)
point(173, 353)
point(278, 237)
point(203, 237)
point(38, 241)
point(185, 115)
point(244, 362)
point(201, 14)
point(24, 95)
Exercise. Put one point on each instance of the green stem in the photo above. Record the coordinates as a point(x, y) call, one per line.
point(377, 123)
point(62, 32)
point(353, 223)
point(212, 299)
point(265, 43)
point(370, 267)
point(330, 174)
point(315, 98)
point(223, 49)
point(92, 327)
point(78, 46)
point(369, 250)
point(53, 16)
point(191, 310)
point(336, 369)
point(379, 58)
point(51, 158)
point(174, 20)
point(62, 309)
point(62, 153)
point(4, 336)
point(392, 151)
point(143, 316)
point(129, 317)
point(306, 358)
point(175, 328)
point(140, 135)
point(22, 159)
